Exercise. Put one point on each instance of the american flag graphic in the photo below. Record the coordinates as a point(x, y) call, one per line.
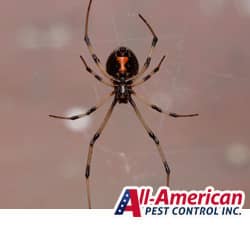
point(123, 203)
point(130, 195)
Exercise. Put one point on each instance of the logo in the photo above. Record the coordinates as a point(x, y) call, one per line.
point(140, 201)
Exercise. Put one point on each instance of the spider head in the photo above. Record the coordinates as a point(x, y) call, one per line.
point(122, 63)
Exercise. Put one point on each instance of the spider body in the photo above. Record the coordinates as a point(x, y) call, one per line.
point(122, 64)
point(123, 74)
point(123, 92)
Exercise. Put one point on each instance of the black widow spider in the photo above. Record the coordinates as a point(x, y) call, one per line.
point(122, 73)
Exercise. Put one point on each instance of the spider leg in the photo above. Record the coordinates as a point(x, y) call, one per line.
point(155, 70)
point(88, 112)
point(91, 147)
point(90, 47)
point(148, 59)
point(95, 75)
point(155, 139)
point(156, 108)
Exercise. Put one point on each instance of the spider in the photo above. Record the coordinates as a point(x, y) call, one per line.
point(122, 75)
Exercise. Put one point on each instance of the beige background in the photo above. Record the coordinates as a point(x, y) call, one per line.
point(42, 161)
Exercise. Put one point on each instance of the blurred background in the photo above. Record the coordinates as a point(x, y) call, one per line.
point(42, 160)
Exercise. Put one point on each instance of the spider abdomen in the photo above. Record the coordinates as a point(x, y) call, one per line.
point(122, 64)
